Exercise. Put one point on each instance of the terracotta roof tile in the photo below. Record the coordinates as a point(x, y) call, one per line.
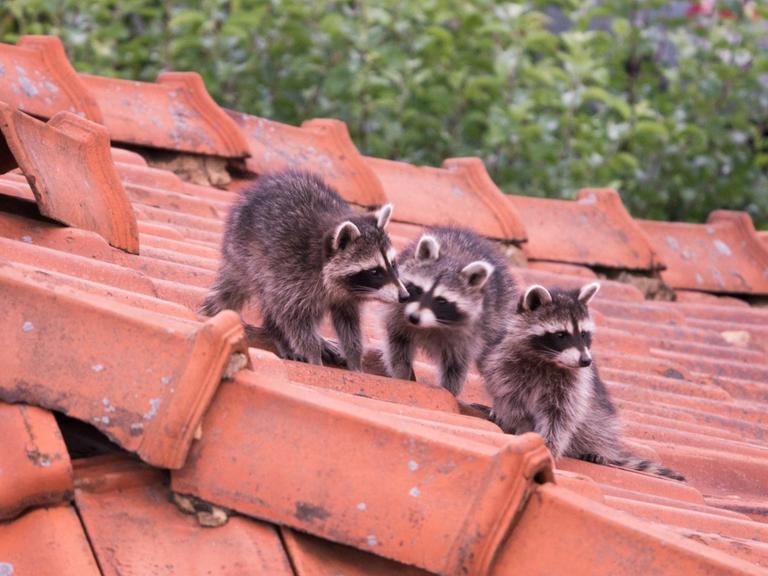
point(35, 469)
point(311, 556)
point(322, 146)
point(68, 165)
point(174, 365)
point(460, 192)
point(690, 380)
point(38, 78)
point(174, 113)
point(46, 542)
point(424, 466)
point(135, 528)
point(595, 230)
point(571, 527)
point(724, 255)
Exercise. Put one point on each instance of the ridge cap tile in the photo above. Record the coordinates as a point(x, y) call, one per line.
point(460, 192)
point(39, 79)
point(599, 229)
point(174, 113)
point(423, 467)
point(724, 255)
point(68, 165)
point(95, 345)
point(322, 145)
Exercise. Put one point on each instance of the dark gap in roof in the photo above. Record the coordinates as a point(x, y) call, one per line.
point(649, 283)
point(82, 439)
point(25, 208)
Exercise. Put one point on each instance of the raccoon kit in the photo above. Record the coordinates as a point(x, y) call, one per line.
point(294, 244)
point(458, 284)
point(542, 378)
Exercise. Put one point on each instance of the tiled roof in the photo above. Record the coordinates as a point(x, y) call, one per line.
point(104, 260)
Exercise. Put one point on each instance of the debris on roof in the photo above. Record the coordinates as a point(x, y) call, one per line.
point(104, 261)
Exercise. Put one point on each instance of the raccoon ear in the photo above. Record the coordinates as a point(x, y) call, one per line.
point(477, 273)
point(428, 248)
point(383, 215)
point(534, 297)
point(345, 233)
point(587, 292)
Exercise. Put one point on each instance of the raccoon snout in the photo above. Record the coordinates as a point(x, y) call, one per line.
point(413, 317)
point(584, 361)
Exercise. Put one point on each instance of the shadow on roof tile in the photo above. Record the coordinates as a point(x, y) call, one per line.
point(39, 79)
point(35, 469)
point(69, 167)
point(723, 256)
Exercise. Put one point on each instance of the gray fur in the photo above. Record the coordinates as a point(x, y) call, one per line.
point(295, 245)
point(456, 262)
point(542, 379)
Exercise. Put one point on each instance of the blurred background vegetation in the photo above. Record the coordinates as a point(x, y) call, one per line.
point(665, 101)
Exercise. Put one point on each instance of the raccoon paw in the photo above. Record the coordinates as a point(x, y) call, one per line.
point(332, 355)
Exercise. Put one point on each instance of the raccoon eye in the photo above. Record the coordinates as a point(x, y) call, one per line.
point(374, 272)
point(561, 335)
point(584, 333)
point(441, 300)
point(413, 290)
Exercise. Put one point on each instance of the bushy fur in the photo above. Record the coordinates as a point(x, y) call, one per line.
point(471, 277)
point(295, 245)
point(542, 379)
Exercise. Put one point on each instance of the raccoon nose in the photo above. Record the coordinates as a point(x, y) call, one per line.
point(413, 317)
point(585, 361)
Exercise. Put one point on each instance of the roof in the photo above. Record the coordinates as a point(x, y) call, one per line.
point(131, 425)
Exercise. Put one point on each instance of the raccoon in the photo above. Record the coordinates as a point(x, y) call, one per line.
point(542, 378)
point(458, 285)
point(294, 244)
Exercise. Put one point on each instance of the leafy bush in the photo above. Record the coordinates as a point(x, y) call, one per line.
point(673, 112)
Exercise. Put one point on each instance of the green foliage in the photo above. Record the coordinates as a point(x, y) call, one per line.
point(673, 113)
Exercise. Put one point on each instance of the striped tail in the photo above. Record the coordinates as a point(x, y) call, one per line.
point(632, 462)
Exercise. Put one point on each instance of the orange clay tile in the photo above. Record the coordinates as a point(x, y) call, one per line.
point(321, 146)
point(723, 256)
point(36, 77)
point(581, 536)
point(460, 192)
point(174, 113)
point(34, 465)
point(46, 542)
point(141, 377)
point(135, 528)
point(311, 556)
point(593, 230)
point(763, 237)
point(68, 165)
point(361, 477)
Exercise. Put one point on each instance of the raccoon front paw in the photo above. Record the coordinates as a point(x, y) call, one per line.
point(332, 355)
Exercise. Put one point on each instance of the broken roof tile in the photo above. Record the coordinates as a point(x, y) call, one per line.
point(723, 256)
point(322, 146)
point(174, 113)
point(69, 167)
point(404, 518)
point(95, 345)
point(134, 527)
point(46, 542)
point(35, 469)
point(36, 77)
point(593, 230)
point(460, 193)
